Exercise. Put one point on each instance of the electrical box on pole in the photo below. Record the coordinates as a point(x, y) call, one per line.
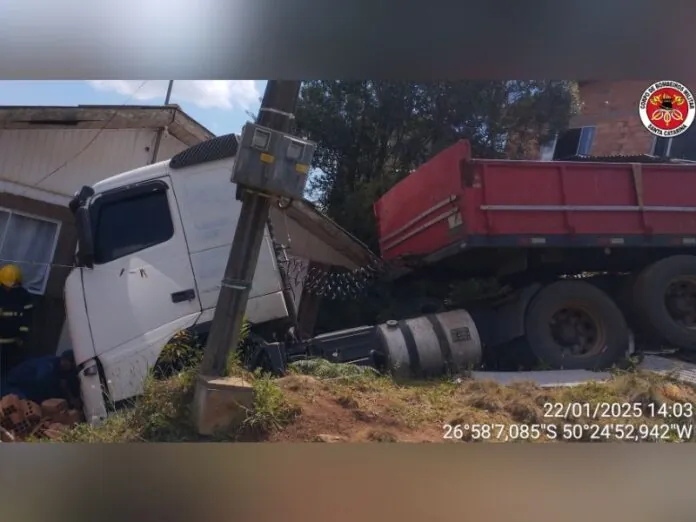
point(273, 162)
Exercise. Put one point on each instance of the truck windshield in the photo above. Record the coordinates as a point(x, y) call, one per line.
point(129, 224)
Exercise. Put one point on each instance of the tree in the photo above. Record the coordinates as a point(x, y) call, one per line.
point(371, 134)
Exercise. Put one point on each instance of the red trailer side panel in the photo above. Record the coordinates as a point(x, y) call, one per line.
point(417, 214)
point(452, 198)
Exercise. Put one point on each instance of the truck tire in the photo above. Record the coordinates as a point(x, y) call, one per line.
point(573, 325)
point(665, 301)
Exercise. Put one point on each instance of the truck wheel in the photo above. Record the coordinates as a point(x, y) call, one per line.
point(665, 294)
point(574, 325)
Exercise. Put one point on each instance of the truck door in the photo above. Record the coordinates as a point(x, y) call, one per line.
point(141, 288)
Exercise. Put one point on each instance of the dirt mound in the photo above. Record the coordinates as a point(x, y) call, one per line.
point(331, 411)
point(341, 404)
point(369, 409)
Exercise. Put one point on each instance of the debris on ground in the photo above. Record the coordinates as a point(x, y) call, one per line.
point(319, 401)
point(339, 404)
point(367, 409)
point(22, 420)
point(680, 370)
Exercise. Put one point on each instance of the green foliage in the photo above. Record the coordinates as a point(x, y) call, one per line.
point(245, 331)
point(182, 352)
point(161, 414)
point(234, 359)
point(323, 369)
point(271, 410)
point(371, 134)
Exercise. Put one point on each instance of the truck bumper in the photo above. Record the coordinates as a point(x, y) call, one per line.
point(92, 393)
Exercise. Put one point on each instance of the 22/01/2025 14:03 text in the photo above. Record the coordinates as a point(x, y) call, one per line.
point(617, 410)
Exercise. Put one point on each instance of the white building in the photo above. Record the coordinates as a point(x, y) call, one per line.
point(48, 153)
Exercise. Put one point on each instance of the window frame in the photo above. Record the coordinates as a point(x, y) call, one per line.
point(54, 245)
point(122, 194)
point(550, 147)
point(590, 129)
point(668, 147)
point(554, 142)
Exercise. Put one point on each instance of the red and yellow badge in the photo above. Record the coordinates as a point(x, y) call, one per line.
point(667, 109)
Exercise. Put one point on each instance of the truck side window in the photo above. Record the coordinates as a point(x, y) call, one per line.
point(131, 224)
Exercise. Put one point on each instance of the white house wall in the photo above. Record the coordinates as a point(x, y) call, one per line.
point(28, 156)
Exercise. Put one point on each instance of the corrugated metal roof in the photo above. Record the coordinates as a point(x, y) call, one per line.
point(29, 158)
point(618, 158)
point(179, 124)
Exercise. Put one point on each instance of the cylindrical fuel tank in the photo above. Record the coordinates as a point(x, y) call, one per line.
point(430, 345)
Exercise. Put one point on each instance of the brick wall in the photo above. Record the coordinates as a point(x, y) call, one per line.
point(612, 106)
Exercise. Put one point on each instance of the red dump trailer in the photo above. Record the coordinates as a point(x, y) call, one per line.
point(543, 228)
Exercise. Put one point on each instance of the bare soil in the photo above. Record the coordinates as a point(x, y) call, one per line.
point(337, 403)
point(378, 410)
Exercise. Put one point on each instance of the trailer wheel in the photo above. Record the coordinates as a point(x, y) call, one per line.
point(574, 325)
point(665, 294)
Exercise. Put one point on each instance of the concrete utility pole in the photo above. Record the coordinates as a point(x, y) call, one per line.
point(276, 113)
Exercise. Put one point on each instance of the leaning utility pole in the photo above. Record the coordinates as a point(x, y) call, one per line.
point(269, 164)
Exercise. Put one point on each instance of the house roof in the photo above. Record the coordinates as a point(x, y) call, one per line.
point(354, 252)
point(179, 124)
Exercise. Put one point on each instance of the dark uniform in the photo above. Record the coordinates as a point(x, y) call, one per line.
point(15, 319)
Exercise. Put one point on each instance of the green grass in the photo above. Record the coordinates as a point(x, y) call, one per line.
point(271, 409)
point(394, 410)
point(163, 412)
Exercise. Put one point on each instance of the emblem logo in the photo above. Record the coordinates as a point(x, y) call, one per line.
point(667, 109)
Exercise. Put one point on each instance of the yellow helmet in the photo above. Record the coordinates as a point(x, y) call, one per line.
point(10, 275)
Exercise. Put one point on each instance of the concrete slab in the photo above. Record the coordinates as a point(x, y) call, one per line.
point(544, 379)
point(680, 370)
point(221, 403)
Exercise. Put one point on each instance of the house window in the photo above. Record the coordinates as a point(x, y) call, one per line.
point(681, 147)
point(573, 142)
point(131, 221)
point(29, 242)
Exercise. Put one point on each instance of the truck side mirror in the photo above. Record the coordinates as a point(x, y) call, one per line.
point(85, 253)
point(80, 198)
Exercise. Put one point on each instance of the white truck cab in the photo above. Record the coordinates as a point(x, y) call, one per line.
point(153, 244)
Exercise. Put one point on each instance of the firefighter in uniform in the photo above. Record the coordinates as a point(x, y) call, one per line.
point(15, 315)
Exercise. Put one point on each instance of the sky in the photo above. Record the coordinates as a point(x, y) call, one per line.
point(219, 105)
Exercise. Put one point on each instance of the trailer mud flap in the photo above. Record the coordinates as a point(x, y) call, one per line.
point(509, 318)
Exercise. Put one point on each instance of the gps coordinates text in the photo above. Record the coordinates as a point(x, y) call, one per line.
point(568, 432)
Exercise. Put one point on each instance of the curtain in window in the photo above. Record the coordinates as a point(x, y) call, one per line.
point(29, 242)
